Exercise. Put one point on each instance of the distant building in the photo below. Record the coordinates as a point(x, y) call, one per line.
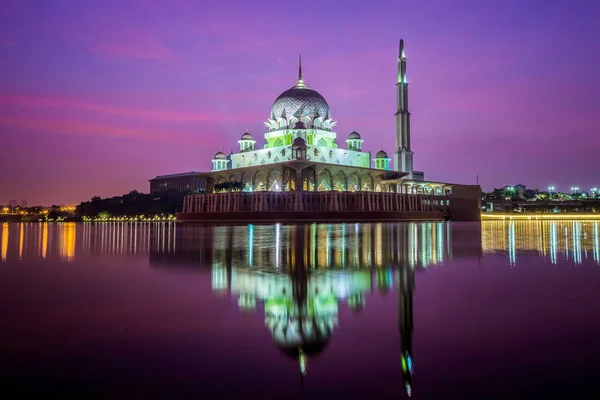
point(195, 182)
point(24, 203)
point(13, 203)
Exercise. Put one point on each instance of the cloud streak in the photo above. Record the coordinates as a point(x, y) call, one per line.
point(156, 115)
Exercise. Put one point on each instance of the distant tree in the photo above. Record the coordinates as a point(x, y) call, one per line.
point(529, 194)
point(104, 214)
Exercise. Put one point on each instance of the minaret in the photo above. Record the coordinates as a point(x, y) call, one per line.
point(403, 156)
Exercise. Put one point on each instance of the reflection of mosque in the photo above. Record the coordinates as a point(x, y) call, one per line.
point(571, 240)
point(299, 274)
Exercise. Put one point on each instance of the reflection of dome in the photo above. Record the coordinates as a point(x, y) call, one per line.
point(354, 135)
point(381, 154)
point(298, 142)
point(300, 101)
point(247, 136)
point(310, 349)
point(220, 156)
point(296, 326)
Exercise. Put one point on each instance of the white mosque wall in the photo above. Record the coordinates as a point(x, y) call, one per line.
point(314, 153)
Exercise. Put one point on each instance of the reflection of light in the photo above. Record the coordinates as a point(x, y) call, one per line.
point(4, 246)
point(343, 246)
point(576, 236)
point(440, 241)
point(425, 246)
point(219, 278)
point(567, 242)
point(596, 244)
point(67, 241)
point(553, 242)
point(328, 244)
point(378, 244)
point(409, 363)
point(313, 244)
point(511, 243)
point(413, 244)
point(21, 237)
point(277, 244)
point(250, 244)
point(44, 240)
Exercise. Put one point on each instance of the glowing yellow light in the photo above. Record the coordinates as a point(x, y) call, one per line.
point(67, 241)
point(498, 216)
point(21, 237)
point(4, 245)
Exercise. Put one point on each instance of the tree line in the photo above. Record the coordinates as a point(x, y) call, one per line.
point(133, 203)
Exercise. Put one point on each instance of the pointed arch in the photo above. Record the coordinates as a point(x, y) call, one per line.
point(325, 181)
point(308, 179)
point(353, 182)
point(274, 179)
point(340, 182)
point(260, 181)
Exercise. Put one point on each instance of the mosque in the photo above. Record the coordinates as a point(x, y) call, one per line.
point(301, 157)
point(300, 138)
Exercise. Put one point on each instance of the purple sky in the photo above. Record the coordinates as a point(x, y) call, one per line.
point(98, 97)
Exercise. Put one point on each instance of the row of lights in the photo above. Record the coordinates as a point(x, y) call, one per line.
point(574, 189)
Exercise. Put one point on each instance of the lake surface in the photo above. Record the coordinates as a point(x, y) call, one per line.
point(497, 310)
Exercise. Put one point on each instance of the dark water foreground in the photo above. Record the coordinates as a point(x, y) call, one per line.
point(499, 310)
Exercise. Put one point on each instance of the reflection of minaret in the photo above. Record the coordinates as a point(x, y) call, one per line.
point(403, 156)
point(405, 318)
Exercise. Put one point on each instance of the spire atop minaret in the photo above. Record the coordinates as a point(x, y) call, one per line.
point(401, 49)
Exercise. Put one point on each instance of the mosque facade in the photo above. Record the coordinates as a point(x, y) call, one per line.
point(303, 171)
point(301, 151)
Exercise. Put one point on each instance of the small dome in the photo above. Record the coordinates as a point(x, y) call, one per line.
point(220, 156)
point(354, 135)
point(247, 136)
point(298, 142)
point(381, 154)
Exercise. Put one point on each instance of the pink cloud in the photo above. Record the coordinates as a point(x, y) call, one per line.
point(137, 113)
point(79, 128)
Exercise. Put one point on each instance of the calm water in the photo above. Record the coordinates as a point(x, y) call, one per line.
point(498, 310)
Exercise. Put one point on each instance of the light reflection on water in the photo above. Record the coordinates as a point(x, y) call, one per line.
point(575, 241)
point(301, 277)
point(327, 244)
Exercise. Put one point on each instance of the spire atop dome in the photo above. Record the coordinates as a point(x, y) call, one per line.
point(300, 81)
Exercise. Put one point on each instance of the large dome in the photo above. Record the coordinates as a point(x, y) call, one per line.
point(300, 101)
